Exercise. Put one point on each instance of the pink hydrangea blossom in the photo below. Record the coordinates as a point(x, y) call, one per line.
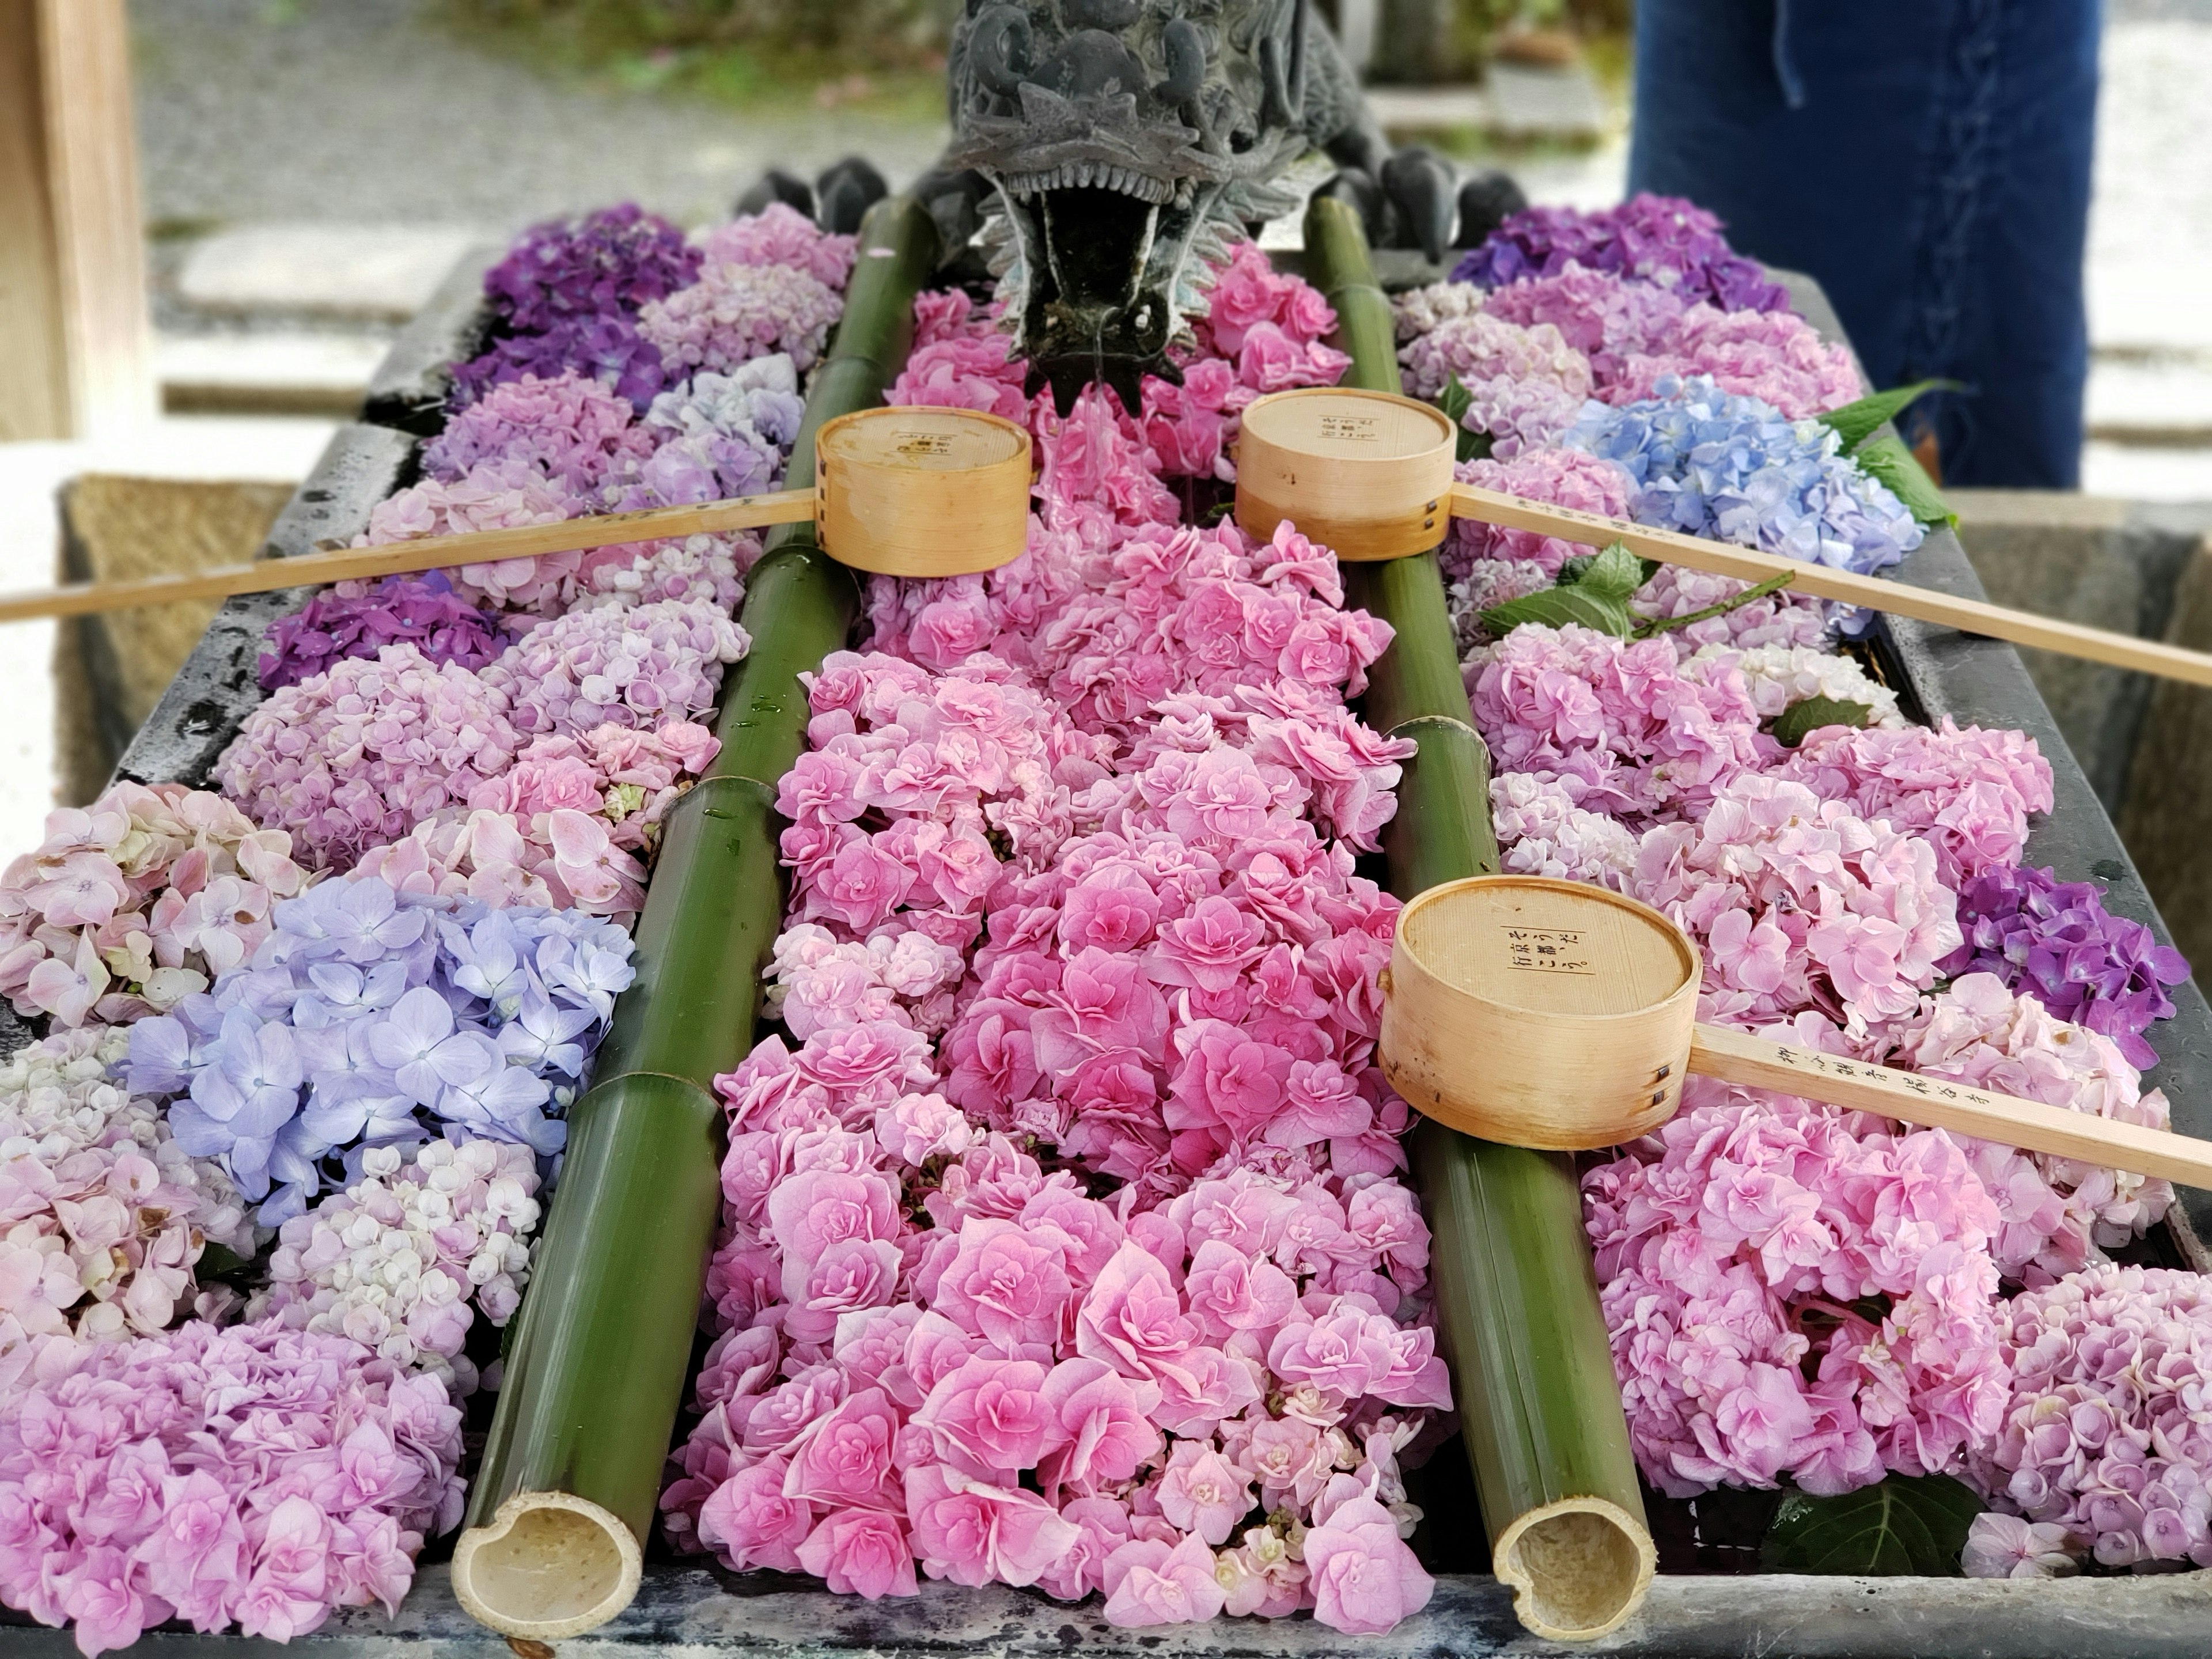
point(1801, 904)
point(781, 235)
point(105, 1216)
point(1773, 355)
point(2104, 1450)
point(1742, 1251)
point(1967, 791)
point(1528, 385)
point(136, 900)
point(734, 313)
point(1561, 477)
point(257, 1476)
point(1610, 318)
point(359, 756)
point(1642, 738)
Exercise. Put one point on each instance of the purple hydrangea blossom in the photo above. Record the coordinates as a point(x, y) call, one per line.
point(373, 1018)
point(2056, 941)
point(570, 428)
point(609, 348)
point(423, 612)
point(611, 261)
point(1660, 238)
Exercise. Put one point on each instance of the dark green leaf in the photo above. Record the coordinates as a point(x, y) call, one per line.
point(1595, 595)
point(1809, 714)
point(218, 1263)
point(1901, 1525)
point(1887, 460)
point(1455, 400)
point(1856, 422)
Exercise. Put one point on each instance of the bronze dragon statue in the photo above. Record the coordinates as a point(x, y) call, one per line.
point(1105, 151)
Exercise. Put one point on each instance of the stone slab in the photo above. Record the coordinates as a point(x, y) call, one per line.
point(2165, 400)
point(349, 270)
point(1528, 102)
point(694, 1612)
point(285, 373)
point(2090, 560)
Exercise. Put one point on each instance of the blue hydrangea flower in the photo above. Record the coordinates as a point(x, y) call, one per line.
point(373, 1018)
point(1734, 468)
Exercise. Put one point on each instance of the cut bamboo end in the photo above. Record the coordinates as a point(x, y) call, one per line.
point(922, 493)
point(1578, 1567)
point(548, 1566)
point(1366, 474)
point(1541, 1013)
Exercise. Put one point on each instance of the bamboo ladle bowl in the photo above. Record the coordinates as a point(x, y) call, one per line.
point(1353, 471)
point(1563, 1017)
point(898, 492)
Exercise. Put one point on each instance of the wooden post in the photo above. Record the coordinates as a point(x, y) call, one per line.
point(75, 347)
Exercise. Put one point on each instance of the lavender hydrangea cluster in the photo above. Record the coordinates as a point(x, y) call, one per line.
point(2106, 1447)
point(573, 431)
point(2055, 941)
point(567, 295)
point(1712, 463)
point(722, 435)
point(1660, 239)
point(637, 667)
point(734, 313)
point(375, 1019)
point(353, 620)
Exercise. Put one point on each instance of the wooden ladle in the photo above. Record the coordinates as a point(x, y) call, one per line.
point(1561, 1016)
point(1367, 473)
point(900, 492)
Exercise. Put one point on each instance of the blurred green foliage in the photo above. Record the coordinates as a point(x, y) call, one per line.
point(882, 55)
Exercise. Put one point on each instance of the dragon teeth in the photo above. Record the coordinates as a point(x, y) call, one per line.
point(1097, 175)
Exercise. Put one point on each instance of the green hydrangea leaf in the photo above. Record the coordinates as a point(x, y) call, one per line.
point(1809, 714)
point(1888, 461)
point(1455, 400)
point(1899, 1526)
point(1593, 592)
point(1856, 422)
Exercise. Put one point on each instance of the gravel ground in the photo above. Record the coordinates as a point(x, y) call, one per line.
point(360, 111)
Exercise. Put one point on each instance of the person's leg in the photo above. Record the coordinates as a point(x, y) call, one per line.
point(1928, 161)
point(1807, 130)
point(2003, 310)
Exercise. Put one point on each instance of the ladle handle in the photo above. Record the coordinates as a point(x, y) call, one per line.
point(1726, 559)
point(1940, 1103)
point(431, 553)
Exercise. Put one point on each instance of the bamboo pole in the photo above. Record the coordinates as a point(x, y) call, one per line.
point(1517, 1295)
point(405, 558)
point(1821, 582)
point(564, 1498)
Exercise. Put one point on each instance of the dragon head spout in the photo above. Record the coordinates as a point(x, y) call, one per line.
point(1128, 141)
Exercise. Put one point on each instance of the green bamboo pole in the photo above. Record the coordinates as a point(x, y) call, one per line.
point(564, 1496)
point(1517, 1295)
